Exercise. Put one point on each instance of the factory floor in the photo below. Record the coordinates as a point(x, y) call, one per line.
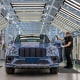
point(64, 74)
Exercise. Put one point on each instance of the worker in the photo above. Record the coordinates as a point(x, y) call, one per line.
point(68, 46)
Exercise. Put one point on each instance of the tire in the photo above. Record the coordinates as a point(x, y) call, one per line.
point(53, 70)
point(10, 70)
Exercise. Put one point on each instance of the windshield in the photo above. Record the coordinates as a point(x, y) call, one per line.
point(41, 39)
point(30, 39)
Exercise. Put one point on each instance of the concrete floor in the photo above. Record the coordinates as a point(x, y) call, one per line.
point(37, 75)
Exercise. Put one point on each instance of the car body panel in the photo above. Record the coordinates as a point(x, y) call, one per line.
point(49, 60)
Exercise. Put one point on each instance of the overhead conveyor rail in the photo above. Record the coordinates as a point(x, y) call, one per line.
point(73, 3)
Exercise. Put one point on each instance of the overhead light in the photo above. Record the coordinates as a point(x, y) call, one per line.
point(27, 3)
point(28, 13)
point(67, 21)
point(66, 14)
point(74, 1)
point(69, 13)
point(73, 4)
point(29, 17)
point(59, 23)
point(36, 20)
point(25, 10)
point(32, 5)
point(28, 7)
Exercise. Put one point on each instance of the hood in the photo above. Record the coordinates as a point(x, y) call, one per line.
point(32, 44)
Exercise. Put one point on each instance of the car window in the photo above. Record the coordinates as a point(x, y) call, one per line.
point(41, 39)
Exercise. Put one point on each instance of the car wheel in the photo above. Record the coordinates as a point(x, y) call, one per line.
point(10, 70)
point(53, 70)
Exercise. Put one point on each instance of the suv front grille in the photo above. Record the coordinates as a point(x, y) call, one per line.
point(32, 52)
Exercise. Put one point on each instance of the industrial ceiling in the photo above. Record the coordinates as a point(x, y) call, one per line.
point(62, 14)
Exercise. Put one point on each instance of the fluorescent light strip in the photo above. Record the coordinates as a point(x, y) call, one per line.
point(29, 17)
point(70, 14)
point(29, 20)
point(67, 21)
point(62, 12)
point(32, 5)
point(29, 13)
point(25, 10)
point(27, 3)
point(29, 37)
point(73, 4)
point(64, 25)
point(28, 7)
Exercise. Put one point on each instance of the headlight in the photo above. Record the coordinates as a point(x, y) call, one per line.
point(13, 50)
point(52, 50)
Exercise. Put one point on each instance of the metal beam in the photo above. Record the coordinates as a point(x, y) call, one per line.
point(47, 15)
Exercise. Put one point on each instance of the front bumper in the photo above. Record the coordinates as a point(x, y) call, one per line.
point(20, 66)
point(24, 66)
point(31, 63)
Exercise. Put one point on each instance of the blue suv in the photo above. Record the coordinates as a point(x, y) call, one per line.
point(32, 51)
